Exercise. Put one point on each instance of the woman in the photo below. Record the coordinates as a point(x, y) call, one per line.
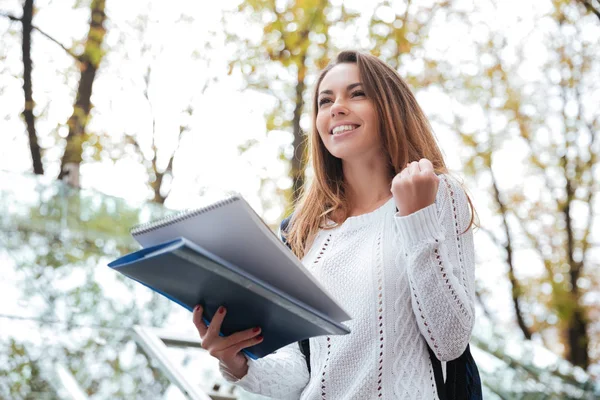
point(387, 232)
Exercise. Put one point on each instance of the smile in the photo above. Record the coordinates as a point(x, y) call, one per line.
point(338, 130)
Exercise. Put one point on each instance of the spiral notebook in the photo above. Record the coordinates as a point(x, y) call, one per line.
point(231, 229)
point(229, 233)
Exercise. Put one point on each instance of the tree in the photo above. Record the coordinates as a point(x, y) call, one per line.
point(398, 32)
point(36, 154)
point(549, 211)
point(27, 28)
point(157, 142)
point(156, 172)
point(298, 41)
point(294, 44)
point(89, 62)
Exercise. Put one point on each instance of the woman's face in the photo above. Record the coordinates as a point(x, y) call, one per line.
point(346, 119)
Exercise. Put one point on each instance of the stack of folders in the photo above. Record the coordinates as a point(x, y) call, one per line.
point(224, 254)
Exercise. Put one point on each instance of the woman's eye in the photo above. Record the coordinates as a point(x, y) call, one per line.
point(323, 101)
point(358, 93)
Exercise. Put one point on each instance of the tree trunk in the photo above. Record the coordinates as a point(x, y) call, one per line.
point(90, 60)
point(299, 143)
point(577, 338)
point(34, 147)
point(158, 197)
point(159, 176)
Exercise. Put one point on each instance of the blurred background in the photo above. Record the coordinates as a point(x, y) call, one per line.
point(114, 113)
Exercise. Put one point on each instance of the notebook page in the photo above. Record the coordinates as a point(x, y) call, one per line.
point(234, 232)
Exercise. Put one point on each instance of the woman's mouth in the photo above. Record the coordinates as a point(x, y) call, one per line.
point(343, 129)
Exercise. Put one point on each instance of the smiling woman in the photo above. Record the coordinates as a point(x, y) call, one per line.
point(388, 234)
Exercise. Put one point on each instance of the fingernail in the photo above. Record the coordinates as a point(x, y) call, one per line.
point(259, 337)
point(221, 310)
point(256, 329)
point(197, 308)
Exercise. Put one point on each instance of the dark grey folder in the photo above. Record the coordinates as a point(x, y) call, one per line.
point(189, 275)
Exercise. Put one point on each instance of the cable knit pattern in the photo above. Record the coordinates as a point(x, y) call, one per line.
point(281, 375)
point(407, 282)
point(445, 316)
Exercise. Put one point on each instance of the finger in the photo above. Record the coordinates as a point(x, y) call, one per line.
point(215, 324)
point(241, 336)
point(243, 345)
point(425, 165)
point(197, 318)
point(413, 168)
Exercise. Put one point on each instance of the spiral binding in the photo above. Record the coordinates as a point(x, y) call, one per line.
point(180, 216)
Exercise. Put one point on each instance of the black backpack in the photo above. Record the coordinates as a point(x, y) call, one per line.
point(462, 376)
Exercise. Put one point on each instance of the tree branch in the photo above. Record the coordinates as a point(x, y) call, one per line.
point(10, 16)
point(589, 165)
point(158, 176)
point(590, 7)
point(69, 52)
point(35, 27)
point(516, 286)
point(491, 234)
point(516, 290)
point(484, 307)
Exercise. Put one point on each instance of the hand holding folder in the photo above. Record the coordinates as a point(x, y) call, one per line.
point(224, 255)
point(227, 349)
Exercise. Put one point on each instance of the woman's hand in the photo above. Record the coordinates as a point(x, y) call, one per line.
point(226, 349)
point(415, 187)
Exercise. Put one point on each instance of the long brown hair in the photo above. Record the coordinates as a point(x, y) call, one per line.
point(406, 136)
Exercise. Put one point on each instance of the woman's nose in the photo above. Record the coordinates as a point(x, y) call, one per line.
point(338, 109)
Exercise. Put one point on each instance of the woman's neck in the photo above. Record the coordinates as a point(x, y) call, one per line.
point(367, 186)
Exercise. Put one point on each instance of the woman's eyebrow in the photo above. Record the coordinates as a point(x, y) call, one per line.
point(350, 87)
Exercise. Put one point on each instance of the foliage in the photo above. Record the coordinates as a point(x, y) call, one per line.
point(57, 245)
point(294, 45)
point(548, 123)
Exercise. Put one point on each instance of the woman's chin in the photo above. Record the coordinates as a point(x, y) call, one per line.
point(343, 154)
point(356, 153)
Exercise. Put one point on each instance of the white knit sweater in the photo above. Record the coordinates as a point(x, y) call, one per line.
point(407, 282)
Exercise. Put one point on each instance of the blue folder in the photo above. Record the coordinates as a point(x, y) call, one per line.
point(189, 275)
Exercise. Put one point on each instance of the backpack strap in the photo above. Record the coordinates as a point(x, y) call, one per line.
point(438, 375)
point(283, 227)
point(462, 378)
point(305, 349)
point(473, 381)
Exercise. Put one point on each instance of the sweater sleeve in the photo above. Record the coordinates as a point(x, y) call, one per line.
point(440, 262)
point(281, 375)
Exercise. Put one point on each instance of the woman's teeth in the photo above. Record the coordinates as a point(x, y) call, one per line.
point(343, 128)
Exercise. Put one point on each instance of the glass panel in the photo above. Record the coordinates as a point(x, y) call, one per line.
point(518, 369)
point(42, 359)
point(201, 369)
point(62, 310)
